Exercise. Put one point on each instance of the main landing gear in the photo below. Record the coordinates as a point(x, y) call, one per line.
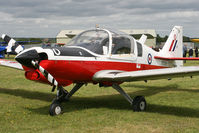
point(138, 103)
point(62, 95)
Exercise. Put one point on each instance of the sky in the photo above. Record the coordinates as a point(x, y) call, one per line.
point(45, 18)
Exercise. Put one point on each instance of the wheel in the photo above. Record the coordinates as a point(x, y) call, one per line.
point(139, 104)
point(55, 109)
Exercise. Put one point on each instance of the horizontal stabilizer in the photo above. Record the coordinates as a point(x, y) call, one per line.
point(142, 39)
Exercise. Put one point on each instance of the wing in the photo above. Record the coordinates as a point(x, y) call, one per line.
point(12, 64)
point(126, 76)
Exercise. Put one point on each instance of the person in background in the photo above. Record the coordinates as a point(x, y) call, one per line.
point(184, 52)
point(196, 51)
point(191, 52)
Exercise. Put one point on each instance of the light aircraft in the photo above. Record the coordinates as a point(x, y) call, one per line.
point(195, 40)
point(103, 57)
point(2, 51)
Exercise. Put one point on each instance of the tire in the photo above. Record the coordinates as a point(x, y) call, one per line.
point(139, 104)
point(55, 109)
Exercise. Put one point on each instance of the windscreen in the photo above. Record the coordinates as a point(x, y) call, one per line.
point(93, 40)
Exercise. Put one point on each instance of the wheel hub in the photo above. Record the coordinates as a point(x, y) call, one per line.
point(142, 105)
point(58, 110)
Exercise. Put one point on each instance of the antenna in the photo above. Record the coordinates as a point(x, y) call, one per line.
point(97, 26)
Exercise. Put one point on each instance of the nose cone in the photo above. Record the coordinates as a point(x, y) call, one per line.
point(26, 57)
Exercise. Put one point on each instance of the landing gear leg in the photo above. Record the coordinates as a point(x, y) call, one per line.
point(138, 103)
point(55, 107)
point(62, 95)
point(75, 88)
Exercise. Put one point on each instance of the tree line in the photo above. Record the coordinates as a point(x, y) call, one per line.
point(160, 39)
point(26, 41)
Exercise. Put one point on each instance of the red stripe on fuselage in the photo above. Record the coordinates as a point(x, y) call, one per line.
point(83, 71)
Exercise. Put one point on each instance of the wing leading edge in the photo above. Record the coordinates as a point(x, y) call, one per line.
point(12, 64)
point(176, 58)
point(166, 73)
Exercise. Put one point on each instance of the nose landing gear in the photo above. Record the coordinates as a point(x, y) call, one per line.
point(62, 95)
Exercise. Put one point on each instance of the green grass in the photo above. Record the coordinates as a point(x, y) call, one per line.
point(173, 106)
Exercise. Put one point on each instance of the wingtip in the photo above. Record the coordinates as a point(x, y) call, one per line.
point(3, 36)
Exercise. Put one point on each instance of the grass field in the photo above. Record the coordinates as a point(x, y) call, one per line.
point(173, 106)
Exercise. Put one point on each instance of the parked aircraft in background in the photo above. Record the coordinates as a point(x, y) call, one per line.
point(102, 57)
point(195, 40)
point(2, 51)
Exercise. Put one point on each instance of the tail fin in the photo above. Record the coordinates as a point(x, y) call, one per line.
point(174, 44)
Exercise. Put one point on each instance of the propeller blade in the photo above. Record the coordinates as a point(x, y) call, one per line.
point(46, 74)
point(12, 44)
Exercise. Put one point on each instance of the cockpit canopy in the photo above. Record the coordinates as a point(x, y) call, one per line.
point(102, 42)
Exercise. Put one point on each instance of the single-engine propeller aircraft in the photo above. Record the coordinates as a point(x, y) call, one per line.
point(102, 57)
point(2, 51)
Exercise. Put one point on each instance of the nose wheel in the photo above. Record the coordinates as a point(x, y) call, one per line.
point(62, 95)
point(55, 109)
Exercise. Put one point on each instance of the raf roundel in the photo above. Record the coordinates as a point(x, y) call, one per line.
point(149, 58)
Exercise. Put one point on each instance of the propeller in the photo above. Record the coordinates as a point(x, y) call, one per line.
point(12, 44)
